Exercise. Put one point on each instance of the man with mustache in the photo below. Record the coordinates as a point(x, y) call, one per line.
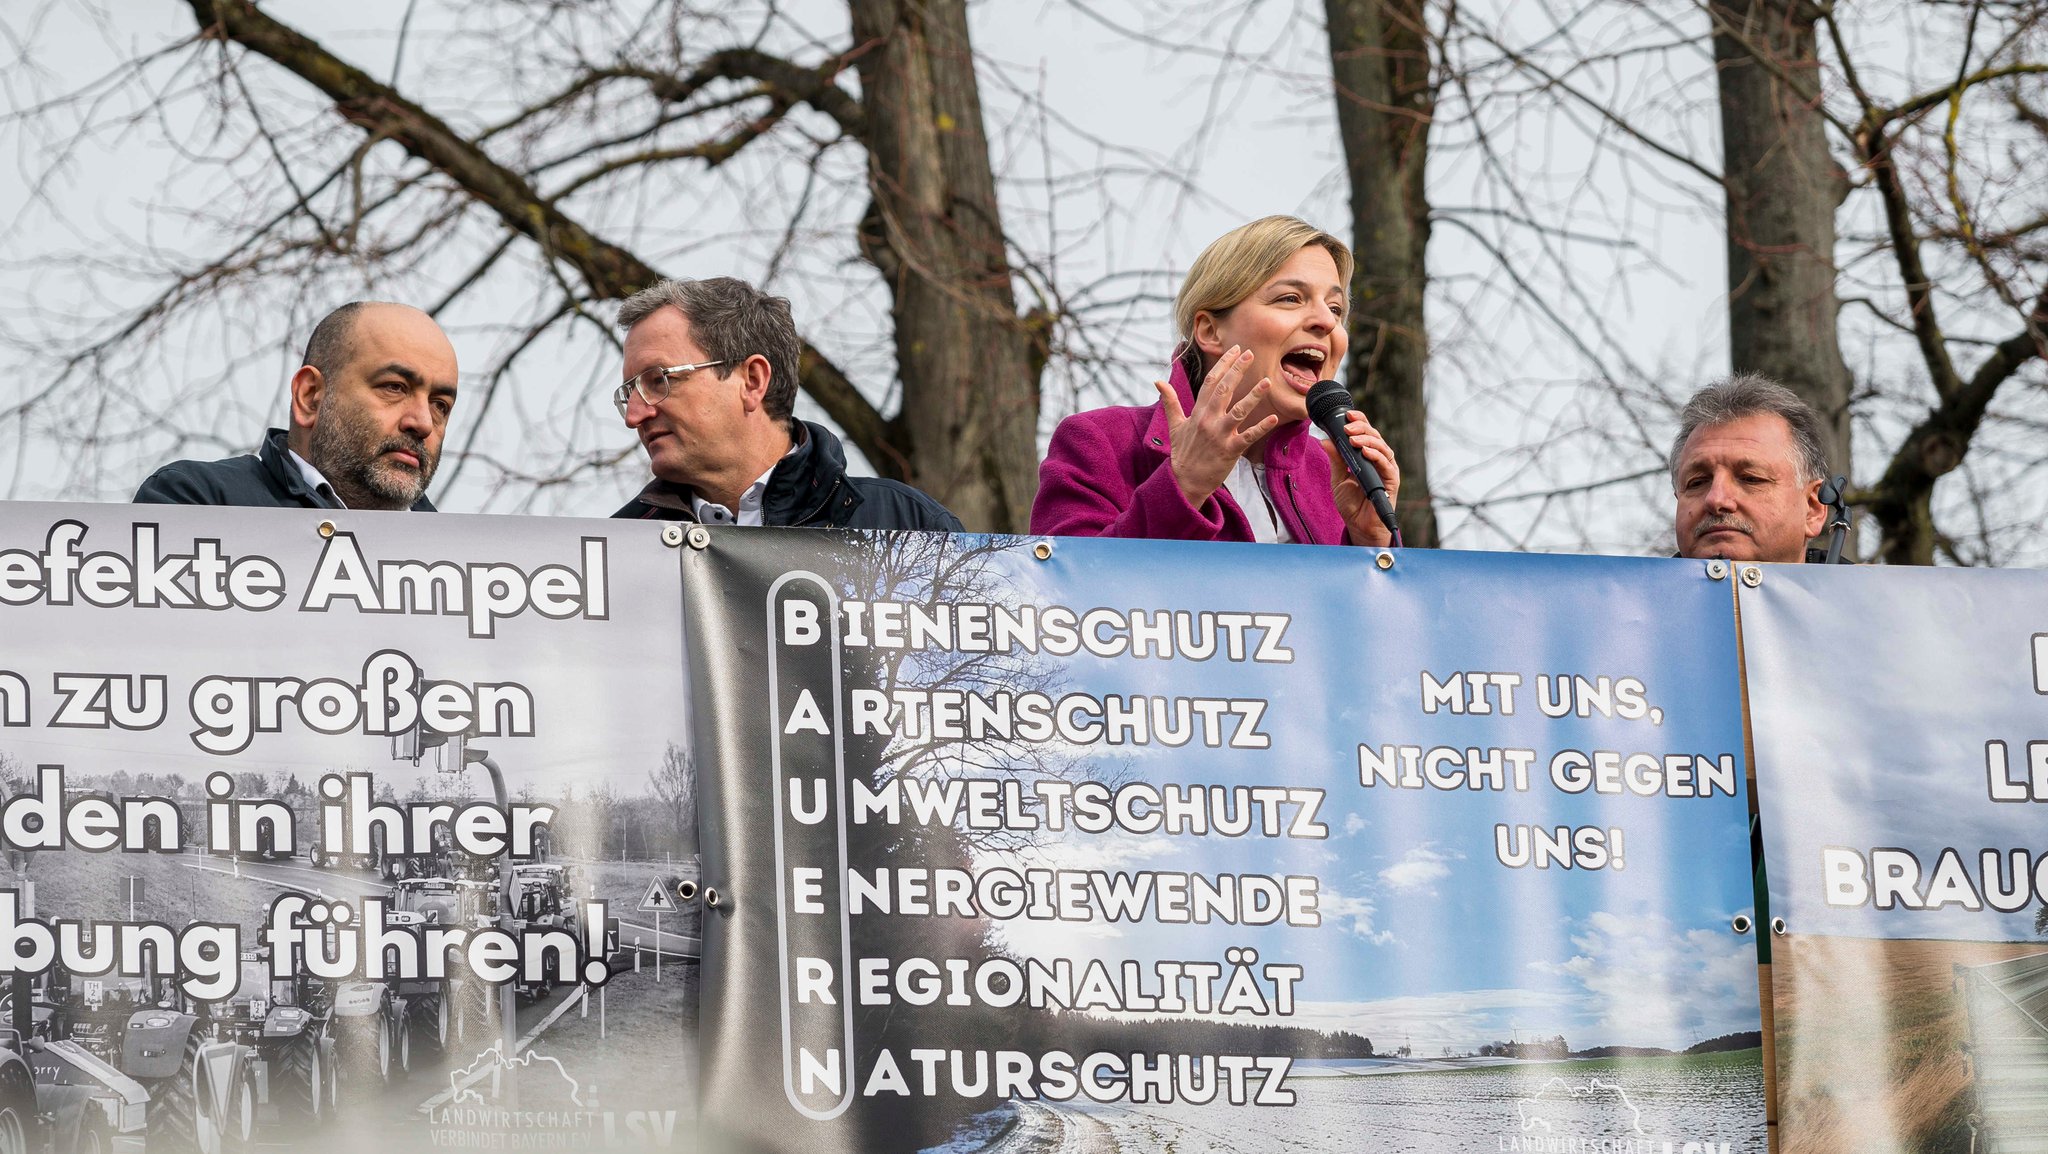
point(1747, 468)
point(368, 410)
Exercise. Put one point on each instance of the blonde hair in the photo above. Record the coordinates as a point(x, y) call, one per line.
point(1235, 265)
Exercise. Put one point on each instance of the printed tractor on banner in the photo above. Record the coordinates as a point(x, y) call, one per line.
point(63, 1094)
point(544, 897)
point(458, 1007)
point(119, 1061)
point(95, 1065)
point(370, 1024)
point(431, 1012)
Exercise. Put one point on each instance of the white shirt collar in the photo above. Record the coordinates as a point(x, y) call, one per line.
point(1247, 485)
point(314, 479)
point(749, 512)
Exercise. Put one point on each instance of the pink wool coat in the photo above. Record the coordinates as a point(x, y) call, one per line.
point(1106, 475)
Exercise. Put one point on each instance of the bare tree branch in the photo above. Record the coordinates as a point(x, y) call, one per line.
point(609, 271)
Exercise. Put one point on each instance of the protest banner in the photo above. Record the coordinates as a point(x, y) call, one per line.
point(1075, 844)
point(325, 831)
point(1902, 765)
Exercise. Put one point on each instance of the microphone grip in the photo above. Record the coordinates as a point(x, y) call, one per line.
point(1385, 508)
point(1328, 403)
point(1361, 470)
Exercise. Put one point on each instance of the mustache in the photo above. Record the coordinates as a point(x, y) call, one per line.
point(404, 444)
point(1715, 521)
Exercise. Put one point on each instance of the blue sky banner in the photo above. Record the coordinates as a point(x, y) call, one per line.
point(1901, 734)
point(1029, 844)
point(337, 831)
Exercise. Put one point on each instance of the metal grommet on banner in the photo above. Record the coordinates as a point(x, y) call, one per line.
point(1740, 923)
point(1717, 569)
point(700, 537)
point(686, 891)
point(326, 529)
point(711, 898)
point(1385, 560)
point(1778, 926)
point(1752, 576)
point(1042, 550)
point(671, 535)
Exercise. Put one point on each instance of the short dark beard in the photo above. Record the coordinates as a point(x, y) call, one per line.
point(349, 451)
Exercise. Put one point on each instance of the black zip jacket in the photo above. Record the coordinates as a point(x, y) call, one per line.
point(266, 480)
point(810, 488)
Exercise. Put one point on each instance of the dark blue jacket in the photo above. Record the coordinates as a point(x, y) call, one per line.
point(267, 480)
point(811, 488)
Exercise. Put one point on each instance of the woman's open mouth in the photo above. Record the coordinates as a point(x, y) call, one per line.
point(1303, 367)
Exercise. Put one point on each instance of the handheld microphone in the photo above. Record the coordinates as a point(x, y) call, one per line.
point(1328, 401)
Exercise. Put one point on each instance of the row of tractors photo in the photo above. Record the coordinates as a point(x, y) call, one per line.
point(92, 1066)
point(96, 1065)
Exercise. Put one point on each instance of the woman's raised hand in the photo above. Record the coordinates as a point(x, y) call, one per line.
point(1208, 442)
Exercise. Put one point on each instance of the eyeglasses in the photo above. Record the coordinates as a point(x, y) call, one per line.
point(654, 384)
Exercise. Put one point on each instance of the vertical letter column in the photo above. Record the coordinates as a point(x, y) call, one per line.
point(809, 781)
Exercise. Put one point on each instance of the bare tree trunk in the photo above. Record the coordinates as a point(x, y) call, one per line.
point(1783, 188)
point(967, 360)
point(1386, 96)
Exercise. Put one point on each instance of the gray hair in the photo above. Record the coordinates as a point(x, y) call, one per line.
point(1748, 395)
point(730, 320)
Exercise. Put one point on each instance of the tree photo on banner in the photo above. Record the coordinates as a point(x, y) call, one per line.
point(325, 831)
point(1012, 851)
point(1901, 775)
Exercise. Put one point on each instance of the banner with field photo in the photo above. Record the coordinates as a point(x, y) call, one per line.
point(1901, 734)
point(1019, 845)
point(337, 831)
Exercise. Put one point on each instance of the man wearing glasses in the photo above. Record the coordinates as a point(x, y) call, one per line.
point(710, 385)
point(368, 410)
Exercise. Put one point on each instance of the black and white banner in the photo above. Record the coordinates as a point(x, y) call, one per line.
point(342, 831)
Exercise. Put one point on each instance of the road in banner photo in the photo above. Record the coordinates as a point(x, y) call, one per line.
point(1100, 845)
point(1901, 726)
point(334, 831)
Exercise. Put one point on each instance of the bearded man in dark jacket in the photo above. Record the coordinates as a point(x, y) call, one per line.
point(710, 384)
point(368, 410)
